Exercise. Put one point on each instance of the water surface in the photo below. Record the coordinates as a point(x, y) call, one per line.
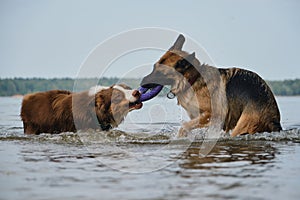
point(143, 159)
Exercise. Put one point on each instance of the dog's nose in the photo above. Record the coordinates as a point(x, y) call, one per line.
point(136, 94)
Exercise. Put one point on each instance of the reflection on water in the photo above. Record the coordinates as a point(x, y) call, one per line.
point(230, 155)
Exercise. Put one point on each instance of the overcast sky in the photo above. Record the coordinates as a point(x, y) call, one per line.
point(52, 38)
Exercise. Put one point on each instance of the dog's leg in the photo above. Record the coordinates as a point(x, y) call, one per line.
point(30, 128)
point(247, 123)
point(198, 122)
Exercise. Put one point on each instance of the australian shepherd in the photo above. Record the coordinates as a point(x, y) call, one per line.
point(59, 111)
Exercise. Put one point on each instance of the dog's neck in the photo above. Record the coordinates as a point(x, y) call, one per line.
point(192, 80)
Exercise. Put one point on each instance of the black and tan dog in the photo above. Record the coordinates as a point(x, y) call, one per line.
point(239, 97)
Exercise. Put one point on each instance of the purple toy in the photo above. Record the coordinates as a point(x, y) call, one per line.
point(145, 96)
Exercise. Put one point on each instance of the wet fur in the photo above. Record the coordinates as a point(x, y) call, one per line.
point(241, 99)
point(58, 111)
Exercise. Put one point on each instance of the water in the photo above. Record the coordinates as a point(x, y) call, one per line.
point(143, 159)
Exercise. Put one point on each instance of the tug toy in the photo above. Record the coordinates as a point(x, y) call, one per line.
point(149, 93)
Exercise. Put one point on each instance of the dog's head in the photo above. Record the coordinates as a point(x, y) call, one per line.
point(176, 68)
point(113, 103)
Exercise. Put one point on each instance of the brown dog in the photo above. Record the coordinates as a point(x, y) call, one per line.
point(58, 111)
point(240, 98)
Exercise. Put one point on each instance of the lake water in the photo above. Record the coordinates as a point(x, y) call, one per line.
point(143, 159)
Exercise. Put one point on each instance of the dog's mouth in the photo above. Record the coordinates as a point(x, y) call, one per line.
point(135, 105)
point(150, 85)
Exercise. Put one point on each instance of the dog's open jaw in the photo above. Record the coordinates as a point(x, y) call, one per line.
point(133, 97)
point(178, 83)
point(135, 105)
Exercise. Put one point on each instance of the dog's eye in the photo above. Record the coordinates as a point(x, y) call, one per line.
point(182, 65)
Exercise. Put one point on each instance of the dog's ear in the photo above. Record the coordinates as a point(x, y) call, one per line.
point(190, 58)
point(178, 43)
point(103, 99)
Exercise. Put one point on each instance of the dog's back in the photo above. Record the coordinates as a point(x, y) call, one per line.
point(41, 112)
point(252, 107)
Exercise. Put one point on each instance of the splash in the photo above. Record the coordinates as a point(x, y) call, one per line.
point(167, 136)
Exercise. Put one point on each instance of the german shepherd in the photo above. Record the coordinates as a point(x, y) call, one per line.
point(240, 99)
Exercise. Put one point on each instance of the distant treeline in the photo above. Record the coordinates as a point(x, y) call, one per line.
point(286, 87)
point(21, 86)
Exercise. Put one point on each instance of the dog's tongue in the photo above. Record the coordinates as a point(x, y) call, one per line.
point(149, 93)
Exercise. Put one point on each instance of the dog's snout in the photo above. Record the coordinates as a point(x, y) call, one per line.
point(136, 94)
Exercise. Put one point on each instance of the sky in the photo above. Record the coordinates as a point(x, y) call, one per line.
point(55, 38)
